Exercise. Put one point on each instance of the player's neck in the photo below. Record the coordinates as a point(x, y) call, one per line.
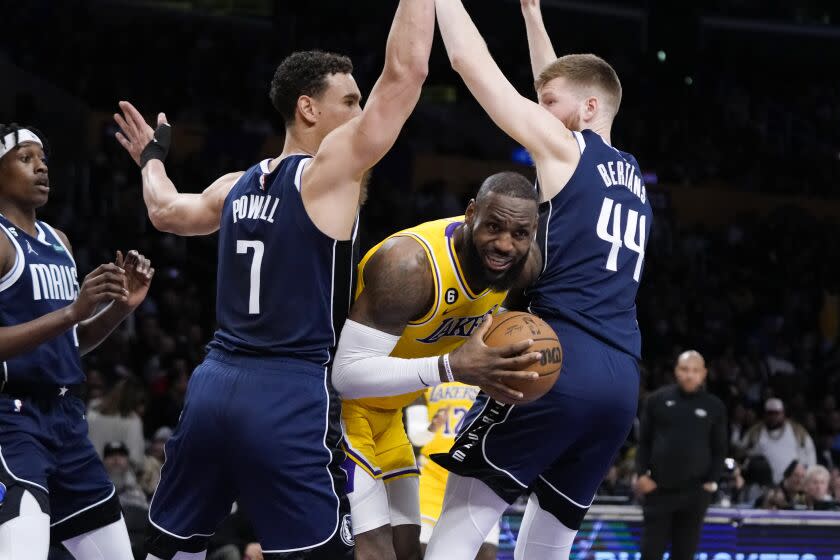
point(297, 143)
point(23, 219)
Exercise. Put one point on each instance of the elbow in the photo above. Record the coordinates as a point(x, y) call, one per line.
point(458, 61)
point(161, 219)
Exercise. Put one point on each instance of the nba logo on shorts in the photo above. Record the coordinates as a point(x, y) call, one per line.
point(18, 404)
point(346, 531)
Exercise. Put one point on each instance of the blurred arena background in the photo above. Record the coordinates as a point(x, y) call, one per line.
point(731, 106)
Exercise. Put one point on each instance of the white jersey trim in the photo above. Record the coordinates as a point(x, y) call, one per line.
point(299, 173)
point(580, 140)
point(61, 241)
point(18, 267)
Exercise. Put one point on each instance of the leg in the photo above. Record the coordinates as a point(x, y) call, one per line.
point(369, 513)
point(24, 524)
point(404, 506)
point(105, 543)
point(432, 487)
point(687, 526)
point(657, 528)
point(195, 491)
point(541, 535)
point(490, 547)
point(288, 478)
point(470, 509)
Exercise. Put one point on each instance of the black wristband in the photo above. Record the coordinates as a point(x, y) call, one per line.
point(158, 148)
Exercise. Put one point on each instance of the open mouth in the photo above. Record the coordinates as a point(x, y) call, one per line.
point(497, 263)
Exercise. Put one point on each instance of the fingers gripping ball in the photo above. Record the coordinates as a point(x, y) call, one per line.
point(513, 326)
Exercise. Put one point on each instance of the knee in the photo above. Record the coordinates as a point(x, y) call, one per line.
point(376, 544)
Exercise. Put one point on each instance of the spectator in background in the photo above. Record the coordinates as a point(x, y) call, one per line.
point(134, 504)
point(758, 480)
point(790, 493)
point(115, 418)
point(682, 446)
point(780, 440)
point(817, 495)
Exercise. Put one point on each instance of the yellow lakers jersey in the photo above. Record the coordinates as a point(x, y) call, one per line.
point(457, 398)
point(455, 312)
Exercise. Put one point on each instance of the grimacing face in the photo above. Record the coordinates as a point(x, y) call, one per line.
point(501, 231)
point(564, 101)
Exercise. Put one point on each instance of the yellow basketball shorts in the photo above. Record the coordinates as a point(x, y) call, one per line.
point(432, 486)
point(375, 440)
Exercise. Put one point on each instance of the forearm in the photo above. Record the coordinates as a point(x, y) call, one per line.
point(464, 45)
point(23, 338)
point(92, 332)
point(410, 39)
point(159, 194)
point(539, 44)
point(363, 367)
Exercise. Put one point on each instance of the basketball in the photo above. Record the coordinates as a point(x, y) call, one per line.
point(513, 326)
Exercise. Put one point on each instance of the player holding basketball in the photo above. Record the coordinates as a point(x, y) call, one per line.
point(259, 425)
point(422, 293)
point(595, 222)
point(51, 479)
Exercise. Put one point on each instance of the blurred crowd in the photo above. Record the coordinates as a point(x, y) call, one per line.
point(759, 298)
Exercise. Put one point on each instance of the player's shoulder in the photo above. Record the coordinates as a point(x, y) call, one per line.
point(399, 255)
point(61, 236)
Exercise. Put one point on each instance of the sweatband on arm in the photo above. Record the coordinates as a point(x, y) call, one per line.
point(363, 366)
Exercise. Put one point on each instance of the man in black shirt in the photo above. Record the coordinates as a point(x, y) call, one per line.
point(680, 458)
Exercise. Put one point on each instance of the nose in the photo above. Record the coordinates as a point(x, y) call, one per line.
point(41, 166)
point(503, 243)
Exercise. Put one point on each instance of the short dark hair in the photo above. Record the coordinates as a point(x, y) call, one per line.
point(304, 73)
point(507, 183)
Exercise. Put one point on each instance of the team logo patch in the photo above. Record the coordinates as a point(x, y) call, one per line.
point(346, 531)
point(700, 412)
point(18, 405)
point(451, 296)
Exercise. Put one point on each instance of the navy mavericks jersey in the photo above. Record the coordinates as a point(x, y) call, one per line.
point(593, 236)
point(284, 287)
point(42, 280)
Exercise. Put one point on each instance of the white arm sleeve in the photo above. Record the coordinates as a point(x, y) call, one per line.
point(417, 425)
point(363, 366)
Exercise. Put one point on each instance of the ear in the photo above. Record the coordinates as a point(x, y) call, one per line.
point(590, 108)
point(307, 108)
point(469, 215)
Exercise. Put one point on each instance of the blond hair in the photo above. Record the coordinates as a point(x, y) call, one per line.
point(586, 70)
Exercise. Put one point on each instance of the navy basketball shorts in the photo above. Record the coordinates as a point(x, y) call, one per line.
point(44, 449)
point(264, 433)
point(561, 445)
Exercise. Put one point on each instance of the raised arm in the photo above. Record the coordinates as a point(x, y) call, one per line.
point(169, 210)
point(523, 120)
point(539, 43)
point(332, 182)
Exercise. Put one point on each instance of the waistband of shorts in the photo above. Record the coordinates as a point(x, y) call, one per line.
point(293, 365)
point(17, 390)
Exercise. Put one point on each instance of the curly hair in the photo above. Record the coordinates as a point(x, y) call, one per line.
point(304, 73)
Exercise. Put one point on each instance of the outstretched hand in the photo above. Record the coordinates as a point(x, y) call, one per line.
point(135, 133)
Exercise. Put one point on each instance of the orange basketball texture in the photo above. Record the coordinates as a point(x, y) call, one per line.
point(511, 327)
